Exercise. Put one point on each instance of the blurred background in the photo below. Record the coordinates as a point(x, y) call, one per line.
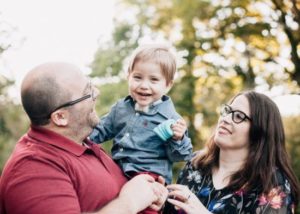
point(222, 47)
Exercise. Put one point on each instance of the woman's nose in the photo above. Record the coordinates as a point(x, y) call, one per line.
point(227, 118)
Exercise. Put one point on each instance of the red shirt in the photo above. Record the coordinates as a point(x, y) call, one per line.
point(48, 173)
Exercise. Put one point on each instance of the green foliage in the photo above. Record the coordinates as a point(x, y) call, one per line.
point(13, 121)
point(107, 62)
point(292, 125)
point(14, 124)
point(109, 58)
point(109, 94)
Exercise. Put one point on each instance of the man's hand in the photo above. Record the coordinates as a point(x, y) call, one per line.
point(162, 194)
point(142, 191)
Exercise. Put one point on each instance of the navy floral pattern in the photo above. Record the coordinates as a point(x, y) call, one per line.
point(225, 200)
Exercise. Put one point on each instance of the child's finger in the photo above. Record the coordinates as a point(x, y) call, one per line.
point(180, 121)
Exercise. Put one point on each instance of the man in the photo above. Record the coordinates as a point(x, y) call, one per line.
point(54, 167)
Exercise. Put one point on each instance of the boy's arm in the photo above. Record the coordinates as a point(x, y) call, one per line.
point(179, 146)
point(105, 128)
point(179, 150)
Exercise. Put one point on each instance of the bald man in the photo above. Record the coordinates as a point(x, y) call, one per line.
point(54, 168)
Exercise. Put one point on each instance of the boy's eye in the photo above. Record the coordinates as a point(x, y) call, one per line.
point(154, 79)
point(137, 77)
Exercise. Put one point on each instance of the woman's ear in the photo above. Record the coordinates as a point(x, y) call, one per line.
point(60, 117)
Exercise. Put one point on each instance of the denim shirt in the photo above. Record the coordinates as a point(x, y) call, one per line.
point(136, 147)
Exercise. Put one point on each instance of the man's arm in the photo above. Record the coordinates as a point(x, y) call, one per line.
point(136, 195)
point(36, 187)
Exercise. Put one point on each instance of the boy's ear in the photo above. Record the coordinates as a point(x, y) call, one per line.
point(60, 117)
point(169, 86)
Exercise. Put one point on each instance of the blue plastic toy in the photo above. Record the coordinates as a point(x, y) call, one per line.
point(164, 130)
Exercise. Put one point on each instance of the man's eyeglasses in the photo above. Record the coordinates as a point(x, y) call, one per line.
point(73, 102)
point(236, 115)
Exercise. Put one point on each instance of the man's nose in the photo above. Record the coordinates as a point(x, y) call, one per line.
point(96, 93)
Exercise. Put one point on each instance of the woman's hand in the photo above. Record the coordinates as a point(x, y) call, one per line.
point(182, 198)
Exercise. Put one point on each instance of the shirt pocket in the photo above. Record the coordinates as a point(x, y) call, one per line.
point(144, 136)
point(144, 123)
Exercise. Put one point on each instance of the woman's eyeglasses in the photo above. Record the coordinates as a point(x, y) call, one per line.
point(236, 115)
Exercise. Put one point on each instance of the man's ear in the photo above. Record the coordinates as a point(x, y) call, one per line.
point(60, 117)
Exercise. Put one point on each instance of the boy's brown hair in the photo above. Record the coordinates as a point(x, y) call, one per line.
point(159, 54)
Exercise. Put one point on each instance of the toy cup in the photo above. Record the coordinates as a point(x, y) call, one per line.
point(164, 130)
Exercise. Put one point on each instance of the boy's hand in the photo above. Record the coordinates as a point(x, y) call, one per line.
point(179, 128)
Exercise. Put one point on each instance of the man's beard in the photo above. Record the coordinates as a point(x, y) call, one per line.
point(93, 119)
point(83, 128)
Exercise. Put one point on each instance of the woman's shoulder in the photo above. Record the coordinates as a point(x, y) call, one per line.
point(190, 174)
point(281, 186)
point(281, 181)
point(191, 167)
point(279, 176)
point(279, 197)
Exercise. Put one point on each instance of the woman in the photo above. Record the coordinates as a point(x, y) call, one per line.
point(244, 168)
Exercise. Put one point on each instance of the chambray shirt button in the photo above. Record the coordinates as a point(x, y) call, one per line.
point(121, 149)
point(137, 114)
point(127, 134)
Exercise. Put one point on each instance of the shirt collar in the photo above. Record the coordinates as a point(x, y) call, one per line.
point(145, 109)
point(167, 109)
point(44, 135)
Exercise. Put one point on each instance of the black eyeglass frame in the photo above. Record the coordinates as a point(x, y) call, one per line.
point(73, 102)
point(224, 113)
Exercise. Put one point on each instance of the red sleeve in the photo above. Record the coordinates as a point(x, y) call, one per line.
point(38, 187)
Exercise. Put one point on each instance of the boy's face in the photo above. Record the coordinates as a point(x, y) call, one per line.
point(147, 83)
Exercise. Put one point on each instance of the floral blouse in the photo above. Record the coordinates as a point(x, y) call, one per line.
point(279, 199)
